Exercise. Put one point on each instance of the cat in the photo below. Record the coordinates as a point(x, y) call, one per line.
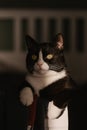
point(48, 76)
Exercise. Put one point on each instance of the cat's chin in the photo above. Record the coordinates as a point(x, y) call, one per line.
point(41, 72)
point(46, 73)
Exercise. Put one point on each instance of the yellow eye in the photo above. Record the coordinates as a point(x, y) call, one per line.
point(49, 56)
point(34, 57)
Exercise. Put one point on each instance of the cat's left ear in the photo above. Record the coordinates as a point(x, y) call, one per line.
point(30, 42)
point(59, 41)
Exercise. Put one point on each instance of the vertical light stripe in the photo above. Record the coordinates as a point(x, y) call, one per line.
point(17, 35)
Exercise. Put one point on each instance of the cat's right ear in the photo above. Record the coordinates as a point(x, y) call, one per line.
point(59, 41)
point(29, 41)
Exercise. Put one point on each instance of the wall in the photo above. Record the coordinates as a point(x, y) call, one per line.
point(43, 25)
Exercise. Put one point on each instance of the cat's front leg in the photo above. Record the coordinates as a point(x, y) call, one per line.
point(53, 111)
point(29, 127)
point(26, 96)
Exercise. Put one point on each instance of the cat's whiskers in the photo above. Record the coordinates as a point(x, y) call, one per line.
point(56, 67)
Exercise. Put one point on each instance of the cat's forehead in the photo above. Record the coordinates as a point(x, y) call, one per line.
point(46, 46)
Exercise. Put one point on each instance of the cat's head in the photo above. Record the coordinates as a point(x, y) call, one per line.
point(44, 57)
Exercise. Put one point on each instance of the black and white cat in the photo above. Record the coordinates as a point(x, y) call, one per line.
point(48, 78)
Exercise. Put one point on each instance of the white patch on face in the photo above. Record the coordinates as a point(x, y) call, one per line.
point(40, 81)
point(41, 66)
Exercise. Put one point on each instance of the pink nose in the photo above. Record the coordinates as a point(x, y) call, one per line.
point(39, 63)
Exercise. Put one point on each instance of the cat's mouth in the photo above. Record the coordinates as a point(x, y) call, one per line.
point(44, 71)
point(41, 71)
point(44, 74)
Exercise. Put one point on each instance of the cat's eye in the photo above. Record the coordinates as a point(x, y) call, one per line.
point(34, 57)
point(49, 56)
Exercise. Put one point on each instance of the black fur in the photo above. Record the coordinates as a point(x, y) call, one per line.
point(61, 91)
point(57, 63)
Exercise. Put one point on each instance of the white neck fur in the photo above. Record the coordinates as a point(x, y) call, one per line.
point(39, 82)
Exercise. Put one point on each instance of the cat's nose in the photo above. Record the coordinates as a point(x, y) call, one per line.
point(39, 63)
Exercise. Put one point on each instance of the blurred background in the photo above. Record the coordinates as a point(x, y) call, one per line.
point(42, 20)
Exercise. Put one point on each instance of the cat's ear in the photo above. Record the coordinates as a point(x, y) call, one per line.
point(29, 41)
point(59, 41)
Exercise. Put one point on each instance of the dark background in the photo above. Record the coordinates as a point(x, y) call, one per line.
point(12, 113)
point(55, 4)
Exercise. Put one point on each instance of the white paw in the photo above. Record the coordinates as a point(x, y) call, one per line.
point(53, 111)
point(29, 127)
point(26, 96)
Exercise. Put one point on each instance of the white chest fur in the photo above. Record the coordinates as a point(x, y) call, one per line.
point(39, 82)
